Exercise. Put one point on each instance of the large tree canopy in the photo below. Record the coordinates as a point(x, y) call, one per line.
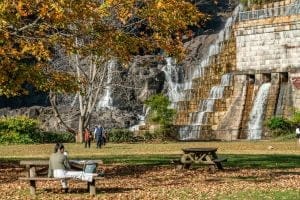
point(31, 29)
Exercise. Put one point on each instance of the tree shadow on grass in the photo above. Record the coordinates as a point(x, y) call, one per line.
point(264, 161)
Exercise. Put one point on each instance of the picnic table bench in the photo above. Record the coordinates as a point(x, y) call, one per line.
point(32, 177)
point(206, 156)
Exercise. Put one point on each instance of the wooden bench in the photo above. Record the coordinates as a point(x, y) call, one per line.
point(91, 186)
point(32, 175)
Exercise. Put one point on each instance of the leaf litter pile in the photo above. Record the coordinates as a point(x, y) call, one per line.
point(153, 182)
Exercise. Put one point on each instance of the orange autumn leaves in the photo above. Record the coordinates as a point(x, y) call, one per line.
point(30, 29)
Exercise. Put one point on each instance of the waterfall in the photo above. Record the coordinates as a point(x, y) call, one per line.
point(207, 105)
point(182, 91)
point(175, 88)
point(141, 119)
point(199, 118)
point(194, 133)
point(256, 114)
point(106, 100)
point(225, 80)
point(280, 100)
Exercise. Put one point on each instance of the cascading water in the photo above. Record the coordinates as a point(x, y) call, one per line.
point(181, 91)
point(175, 88)
point(256, 114)
point(141, 119)
point(106, 100)
point(281, 96)
point(193, 131)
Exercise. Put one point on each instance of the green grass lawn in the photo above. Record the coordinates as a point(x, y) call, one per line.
point(240, 154)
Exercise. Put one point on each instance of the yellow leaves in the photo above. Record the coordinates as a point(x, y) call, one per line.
point(57, 11)
point(34, 48)
point(115, 28)
point(103, 10)
point(124, 15)
point(3, 6)
point(159, 4)
point(23, 8)
point(61, 82)
point(44, 10)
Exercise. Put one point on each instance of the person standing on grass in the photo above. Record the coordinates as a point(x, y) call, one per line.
point(98, 136)
point(87, 138)
point(59, 168)
point(298, 133)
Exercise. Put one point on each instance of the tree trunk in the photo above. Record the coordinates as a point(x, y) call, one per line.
point(79, 137)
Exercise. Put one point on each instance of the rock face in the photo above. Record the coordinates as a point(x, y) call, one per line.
point(136, 83)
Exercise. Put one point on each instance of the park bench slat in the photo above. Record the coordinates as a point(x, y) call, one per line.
point(46, 162)
point(53, 179)
point(34, 162)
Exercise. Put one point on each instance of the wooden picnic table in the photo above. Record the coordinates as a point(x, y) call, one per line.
point(207, 156)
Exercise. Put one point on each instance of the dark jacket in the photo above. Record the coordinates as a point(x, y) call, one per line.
point(98, 133)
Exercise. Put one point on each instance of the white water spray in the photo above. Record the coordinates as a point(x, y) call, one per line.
point(256, 114)
point(141, 119)
point(106, 100)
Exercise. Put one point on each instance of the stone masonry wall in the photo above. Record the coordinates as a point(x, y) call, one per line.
point(271, 44)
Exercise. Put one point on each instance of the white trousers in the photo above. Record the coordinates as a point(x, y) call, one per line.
point(61, 173)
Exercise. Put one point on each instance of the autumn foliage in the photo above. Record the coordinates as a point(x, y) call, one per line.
point(31, 29)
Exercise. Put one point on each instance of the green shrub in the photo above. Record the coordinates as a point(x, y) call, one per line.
point(53, 137)
point(159, 110)
point(162, 133)
point(279, 126)
point(120, 135)
point(280, 132)
point(285, 137)
point(19, 124)
point(279, 123)
point(18, 130)
point(295, 119)
point(148, 136)
point(14, 138)
point(23, 130)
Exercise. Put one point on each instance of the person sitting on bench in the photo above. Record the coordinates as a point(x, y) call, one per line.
point(59, 167)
